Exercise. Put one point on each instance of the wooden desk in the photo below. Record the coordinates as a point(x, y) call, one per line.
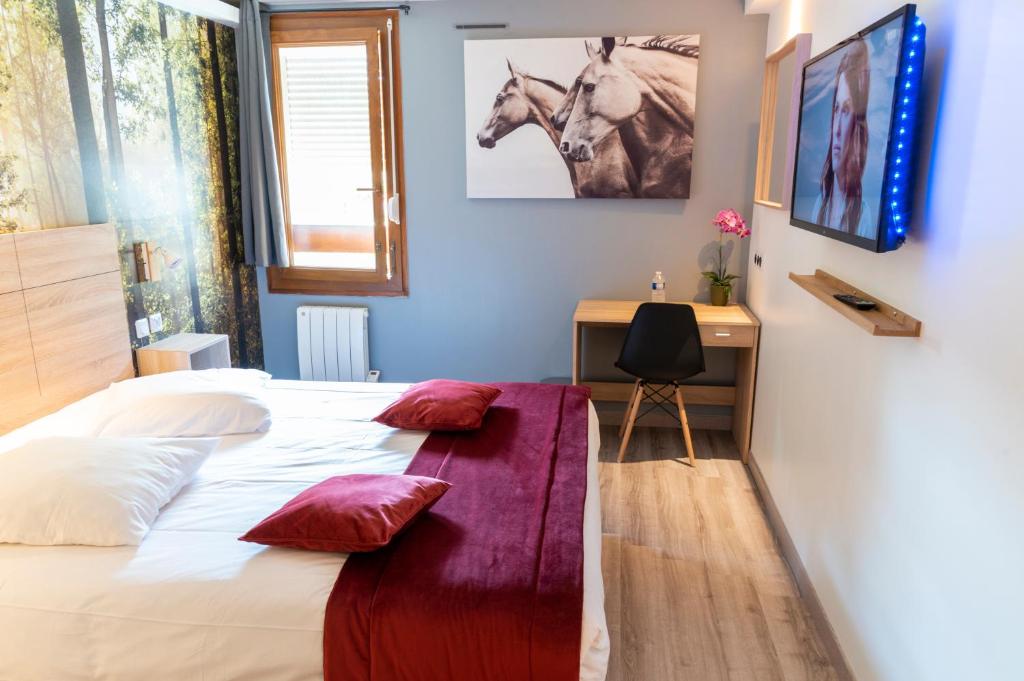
point(732, 326)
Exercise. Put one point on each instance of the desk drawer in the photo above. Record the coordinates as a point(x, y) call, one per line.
point(727, 336)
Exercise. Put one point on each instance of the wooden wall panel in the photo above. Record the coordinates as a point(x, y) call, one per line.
point(10, 280)
point(55, 255)
point(80, 336)
point(64, 335)
point(19, 388)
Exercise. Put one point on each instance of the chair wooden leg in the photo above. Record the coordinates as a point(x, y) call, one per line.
point(638, 397)
point(686, 426)
point(629, 407)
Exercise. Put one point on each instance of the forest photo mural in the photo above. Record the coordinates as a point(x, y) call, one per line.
point(124, 111)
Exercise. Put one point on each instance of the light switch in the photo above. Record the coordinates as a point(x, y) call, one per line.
point(141, 328)
point(156, 322)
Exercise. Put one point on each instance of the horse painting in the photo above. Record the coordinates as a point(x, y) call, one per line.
point(526, 99)
point(624, 128)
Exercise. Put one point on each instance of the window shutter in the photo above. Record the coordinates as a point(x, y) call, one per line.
point(326, 104)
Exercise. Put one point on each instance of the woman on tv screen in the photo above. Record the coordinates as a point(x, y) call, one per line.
point(840, 204)
point(854, 172)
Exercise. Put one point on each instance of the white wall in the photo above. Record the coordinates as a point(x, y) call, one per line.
point(897, 464)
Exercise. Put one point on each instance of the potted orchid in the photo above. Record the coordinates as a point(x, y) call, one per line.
point(728, 222)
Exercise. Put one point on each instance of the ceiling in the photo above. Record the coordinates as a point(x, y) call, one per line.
point(322, 4)
point(226, 11)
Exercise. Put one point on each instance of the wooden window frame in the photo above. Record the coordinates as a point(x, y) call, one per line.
point(800, 46)
point(327, 28)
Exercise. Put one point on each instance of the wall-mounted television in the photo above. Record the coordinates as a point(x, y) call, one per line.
point(854, 170)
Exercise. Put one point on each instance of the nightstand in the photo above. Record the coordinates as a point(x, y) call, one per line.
point(185, 351)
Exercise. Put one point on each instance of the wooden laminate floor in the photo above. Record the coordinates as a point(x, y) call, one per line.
point(696, 589)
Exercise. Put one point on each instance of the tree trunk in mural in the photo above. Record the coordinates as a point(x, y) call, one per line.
point(110, 120)
point(57, 205)
point(21, 120)
point(115, 154)
point(233, 229)
point(81, 108)
point(172, 116)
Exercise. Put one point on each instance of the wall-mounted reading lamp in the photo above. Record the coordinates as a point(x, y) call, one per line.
point(151, 259)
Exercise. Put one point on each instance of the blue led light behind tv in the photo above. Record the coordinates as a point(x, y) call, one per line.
point(898, 187)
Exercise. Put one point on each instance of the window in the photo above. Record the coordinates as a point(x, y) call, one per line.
point(337, 115)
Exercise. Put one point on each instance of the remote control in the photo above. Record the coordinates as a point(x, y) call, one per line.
point(854, 301)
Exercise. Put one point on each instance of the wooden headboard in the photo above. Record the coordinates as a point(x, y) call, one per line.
point(63, 324)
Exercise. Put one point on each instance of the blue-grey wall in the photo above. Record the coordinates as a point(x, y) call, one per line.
point(493, 283)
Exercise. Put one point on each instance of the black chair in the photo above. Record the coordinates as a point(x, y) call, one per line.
point(662, 348)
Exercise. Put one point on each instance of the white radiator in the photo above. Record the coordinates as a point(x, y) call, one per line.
point(333, 343)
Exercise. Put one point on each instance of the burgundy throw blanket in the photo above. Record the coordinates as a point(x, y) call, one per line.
point(487, 586)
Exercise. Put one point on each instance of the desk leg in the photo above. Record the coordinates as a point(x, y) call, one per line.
point(577, 352)
point(743, 410)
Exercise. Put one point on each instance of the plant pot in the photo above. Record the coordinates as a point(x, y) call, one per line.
point(720, 294)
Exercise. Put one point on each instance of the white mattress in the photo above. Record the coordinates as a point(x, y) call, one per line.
point(192, 602)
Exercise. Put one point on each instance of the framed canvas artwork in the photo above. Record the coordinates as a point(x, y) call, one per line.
point(607, 117)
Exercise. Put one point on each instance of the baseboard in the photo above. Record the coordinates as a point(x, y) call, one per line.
point(803, 582)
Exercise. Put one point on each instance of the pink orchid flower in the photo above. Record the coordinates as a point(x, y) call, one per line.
point(730, 222)
point(727, 221)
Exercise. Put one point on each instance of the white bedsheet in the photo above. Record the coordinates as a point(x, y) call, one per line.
point(192, 602)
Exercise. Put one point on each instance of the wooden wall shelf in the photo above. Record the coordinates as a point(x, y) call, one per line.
point(884, 320)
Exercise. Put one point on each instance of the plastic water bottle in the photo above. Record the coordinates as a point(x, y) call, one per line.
point(658, 288)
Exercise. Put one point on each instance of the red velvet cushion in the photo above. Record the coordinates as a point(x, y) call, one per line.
point(440, 405)
point(349, 513)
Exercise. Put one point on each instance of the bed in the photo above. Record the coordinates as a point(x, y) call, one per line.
point(192, 602)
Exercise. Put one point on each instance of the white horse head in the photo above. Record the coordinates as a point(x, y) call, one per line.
point(511, 110)
point(605, 96)
point(561, 115)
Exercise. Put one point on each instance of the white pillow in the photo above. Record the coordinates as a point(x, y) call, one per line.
point(207, 403)
point(203, 379)
point(93, 491)
point(187, 414)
